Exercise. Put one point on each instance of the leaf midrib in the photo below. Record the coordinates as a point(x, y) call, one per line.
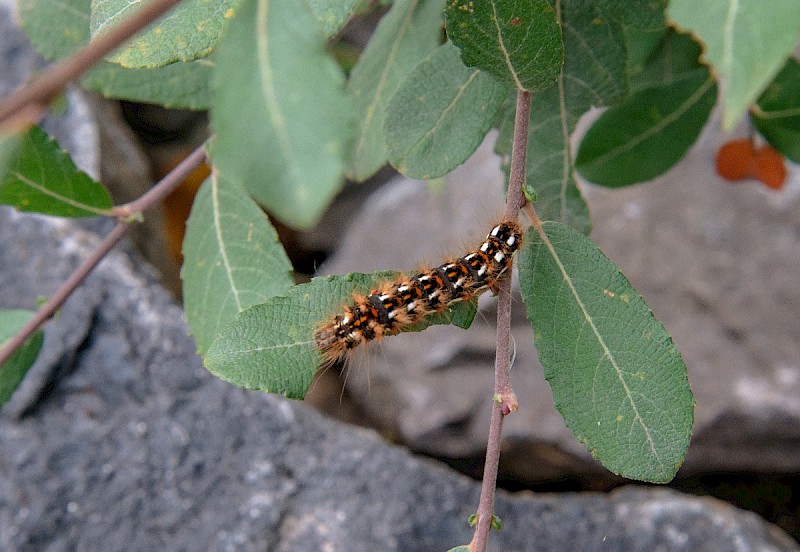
point(504, 50)
point(657, 128)
point(215, 209)
point(269, 94)
point(372, 107)
point(55, 195)
point(445, 112)
point(606, 350)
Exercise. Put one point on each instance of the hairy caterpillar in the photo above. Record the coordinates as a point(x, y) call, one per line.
point(397, 304)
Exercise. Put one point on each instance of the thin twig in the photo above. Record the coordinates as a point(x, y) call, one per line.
point(150, 199)
point(161, 190)
point(33, 99)
point(504, 401)
point(47, 310)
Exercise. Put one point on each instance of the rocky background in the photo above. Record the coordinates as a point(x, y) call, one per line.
point(120, 440)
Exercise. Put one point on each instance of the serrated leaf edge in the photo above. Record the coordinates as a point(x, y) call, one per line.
point(504, 50)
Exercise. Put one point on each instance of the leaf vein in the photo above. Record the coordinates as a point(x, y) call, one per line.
point(598, 336)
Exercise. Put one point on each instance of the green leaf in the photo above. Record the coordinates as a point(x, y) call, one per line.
point(617, 378)
point(641, 44)
point(175, 86)
point(777, 115)
point(517, 41)
point(638, 14)
point(271, 346)
point(232, 259)
point(677, 56)
point(281, 118)
point(648, 133)
point(441, 99)
point(594, 74)
point(42, 178)
point(746, 43)
point(595, 53)
point(549, 163)
point(58, 29)
point(189, 31)
point(9, 150)
point(497, 523)
point(405, 35)
point(462, 548)
point(331, 16)
point(14, 369)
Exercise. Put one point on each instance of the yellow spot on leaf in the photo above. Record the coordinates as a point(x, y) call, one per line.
point(230, 12)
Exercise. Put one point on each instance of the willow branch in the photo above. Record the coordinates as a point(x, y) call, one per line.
point(148, 200)
point(504, 401)
point(26, 105)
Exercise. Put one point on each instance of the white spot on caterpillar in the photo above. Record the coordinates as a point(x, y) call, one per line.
point(499, 256)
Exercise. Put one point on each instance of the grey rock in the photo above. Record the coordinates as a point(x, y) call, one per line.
point(718, 263)
point(99, 141)
point(75, 130)
point(137, 447)
point(120, 440)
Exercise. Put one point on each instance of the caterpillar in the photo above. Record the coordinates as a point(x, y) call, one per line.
point(397, 304)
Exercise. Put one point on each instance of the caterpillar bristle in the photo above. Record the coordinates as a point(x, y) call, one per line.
point(394, 305)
